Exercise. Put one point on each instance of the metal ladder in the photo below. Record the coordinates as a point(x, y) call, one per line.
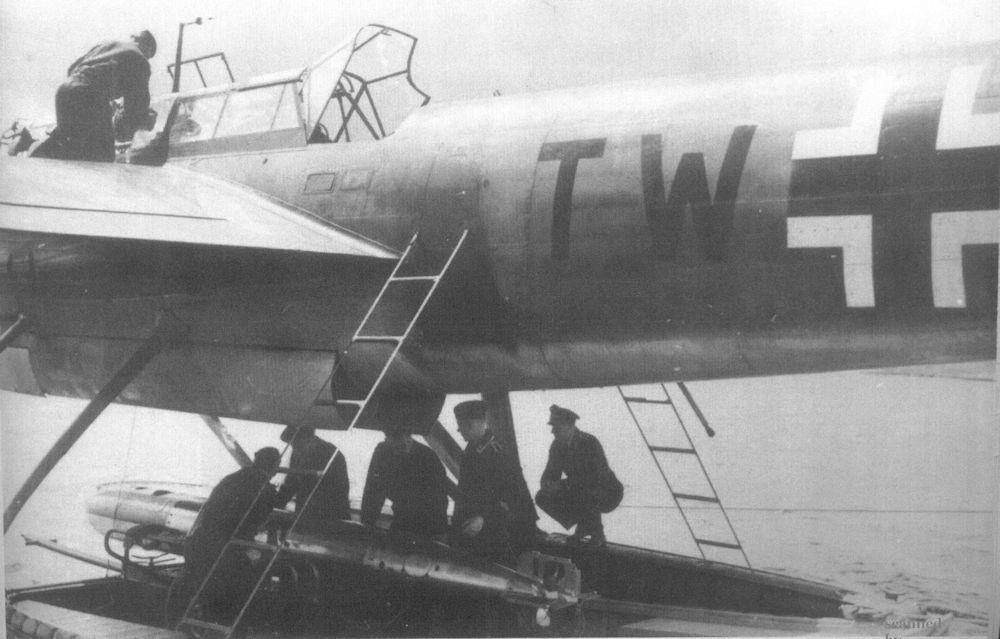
point(426, 285)
point(661, 455)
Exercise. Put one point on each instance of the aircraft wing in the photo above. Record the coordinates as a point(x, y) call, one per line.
point(165, 204)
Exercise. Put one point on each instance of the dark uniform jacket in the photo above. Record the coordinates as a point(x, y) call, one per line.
point(331, 500)
point(116, 70)
point(586, 468)
point(487, 477)
point(416, 484)
point(226, 506)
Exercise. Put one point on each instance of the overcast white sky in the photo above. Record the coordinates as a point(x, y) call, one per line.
point(474, 47)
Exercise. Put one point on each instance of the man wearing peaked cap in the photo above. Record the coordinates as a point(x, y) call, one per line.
point(494, 513)
point(472, 409)
point(589, 487)
point(558, 413)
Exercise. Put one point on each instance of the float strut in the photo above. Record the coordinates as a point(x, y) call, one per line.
point(442, 443)
point(501, 421)
point(447, 451)
point(13, 332)
point(219, 430)
point(111, 390)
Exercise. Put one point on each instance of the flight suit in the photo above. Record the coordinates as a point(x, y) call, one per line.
point(109, 71)
point(416, 484)
point(589, 489)
point(331, 501)
point(491, 485)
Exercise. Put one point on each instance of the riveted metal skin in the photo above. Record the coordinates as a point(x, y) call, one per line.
point(657, 231)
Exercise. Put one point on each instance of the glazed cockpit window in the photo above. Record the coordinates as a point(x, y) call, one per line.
point(371, 92)
point(196, 118)
point(249, 111)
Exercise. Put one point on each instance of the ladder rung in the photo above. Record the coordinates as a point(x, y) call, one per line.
point(688, 450)
point(671, 449)
point(713, 500)
point(207, 625)
point(356, 402)
point(720, 544)
point(414, 278)
point(246, 543)
point(308, 472)
point(377, 338)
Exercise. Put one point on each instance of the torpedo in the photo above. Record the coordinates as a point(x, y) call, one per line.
point(539, 580)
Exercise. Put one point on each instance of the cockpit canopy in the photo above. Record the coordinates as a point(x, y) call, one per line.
point(359, 91)
point(362, 89)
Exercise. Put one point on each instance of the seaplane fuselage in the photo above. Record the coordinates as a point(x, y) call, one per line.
point(666, 230)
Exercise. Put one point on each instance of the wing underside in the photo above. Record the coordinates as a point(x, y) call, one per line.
point(985, 371)
point(166, 204)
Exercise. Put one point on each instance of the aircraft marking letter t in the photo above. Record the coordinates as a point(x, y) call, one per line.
point(569, 154)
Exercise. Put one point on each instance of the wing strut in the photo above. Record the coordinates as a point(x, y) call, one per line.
point(146, 352)
point(352, 403)
point(654, 417)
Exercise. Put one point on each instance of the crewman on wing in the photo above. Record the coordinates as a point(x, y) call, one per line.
point(589, 488)
point(494, 513)
point(110, 70)
point(236, 509)
point(411, 476)
point(330, 502)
